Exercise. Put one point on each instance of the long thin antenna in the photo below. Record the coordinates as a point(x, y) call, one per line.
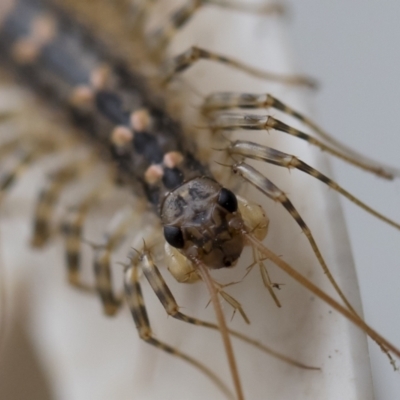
point(385, 345)
point(205, 275)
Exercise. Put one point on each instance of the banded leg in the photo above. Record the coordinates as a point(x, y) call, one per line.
point(134, 296)
point(272, 156)
point(230, 122)
point(161, 37)
point(167, 299)
point(257, 224)
point(185, 60)
point(183, 271)
point(48, 198)
point(273, 192)
point(228, 101)
point(102, 260)
point(23, 157)
point(72, 227)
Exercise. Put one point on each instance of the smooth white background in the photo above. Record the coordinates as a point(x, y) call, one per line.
point(352, 49)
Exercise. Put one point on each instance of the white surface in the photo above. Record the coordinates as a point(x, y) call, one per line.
point(351, 47)
point(82, 347)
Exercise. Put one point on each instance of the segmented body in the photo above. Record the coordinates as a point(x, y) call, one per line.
point(154, 157)
point(112, 105)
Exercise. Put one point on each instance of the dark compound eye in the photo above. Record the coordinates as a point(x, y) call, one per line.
point(227, 262)
point(227, 200)
point(173, 235)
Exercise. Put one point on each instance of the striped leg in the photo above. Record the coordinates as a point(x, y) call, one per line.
point(257, 222)
point(183, 271)
point(134, 296)
point(273, 192)
point(231, 122)
point(145, 262)
point(227, 101)
point(22, 159)
point(72, 227)
point(47, 200)
point(161, 37)
point(185, 60)
point(102, 260)
point(276, 157)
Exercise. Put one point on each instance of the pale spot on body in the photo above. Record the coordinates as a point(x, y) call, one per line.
point(153, 174)
point(121, 135)
point(173, 159)
point(140, 120)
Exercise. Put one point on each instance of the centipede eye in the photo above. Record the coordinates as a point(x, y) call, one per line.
point(173, 235)
point(227, 200)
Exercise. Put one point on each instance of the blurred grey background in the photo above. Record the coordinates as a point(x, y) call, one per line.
point(352, 48)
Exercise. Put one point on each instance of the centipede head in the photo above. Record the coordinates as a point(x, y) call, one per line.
point(202, 220)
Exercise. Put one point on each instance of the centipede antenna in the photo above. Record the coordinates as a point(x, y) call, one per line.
point(205, 275)
point(135, 300)
point(384, 344)
point(264, 185)
point(144, 260)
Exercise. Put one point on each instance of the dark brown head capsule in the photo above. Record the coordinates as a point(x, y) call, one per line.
point(201, 218)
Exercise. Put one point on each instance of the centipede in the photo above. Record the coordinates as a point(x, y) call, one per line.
point(163, 181)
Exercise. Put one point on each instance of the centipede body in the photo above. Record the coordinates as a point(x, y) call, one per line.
point(284, 249)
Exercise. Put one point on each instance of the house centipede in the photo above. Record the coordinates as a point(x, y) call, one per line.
point(123, 134)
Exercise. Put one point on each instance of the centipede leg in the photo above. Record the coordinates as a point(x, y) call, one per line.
point(48, 198)
point(167, 299)
point(273, 192)
point(73, 233)
point(102, 260)
point(225, 101)
point(194, 54)
point(23, 158)
point(385, 345)
point(276, 157)
point(232, 122)
point(134, 296)
point(161, 37)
